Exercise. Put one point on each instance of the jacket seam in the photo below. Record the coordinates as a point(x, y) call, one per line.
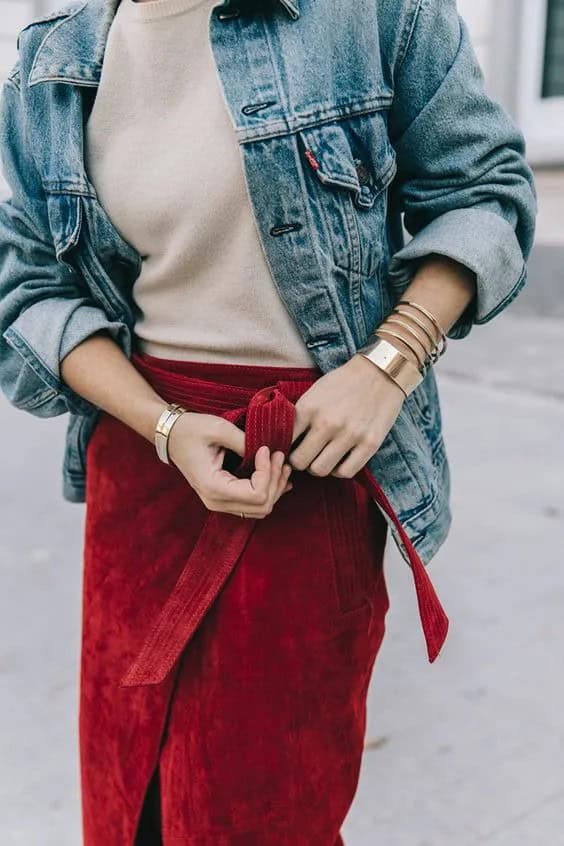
point(407, 35)
point(405, 460)
point(313, 119)
point(65, 17)
point(51, 16)
point(430, 99)
point(12, 81)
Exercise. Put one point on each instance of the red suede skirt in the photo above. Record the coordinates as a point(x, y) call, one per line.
point(225, 662)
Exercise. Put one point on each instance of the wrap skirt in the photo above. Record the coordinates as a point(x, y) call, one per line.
point(225, 662)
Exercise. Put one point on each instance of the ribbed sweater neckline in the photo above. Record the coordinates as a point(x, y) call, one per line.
point(151, 10)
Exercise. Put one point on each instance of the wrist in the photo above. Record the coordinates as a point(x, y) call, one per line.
point(142, 413)
point(374, 373)
point(150, 415)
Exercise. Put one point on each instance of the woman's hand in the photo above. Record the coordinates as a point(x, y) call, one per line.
point(197, 445)
point(347, 413)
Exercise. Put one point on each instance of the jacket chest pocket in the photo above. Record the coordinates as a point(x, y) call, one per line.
point(82, 237)
point(348, 166)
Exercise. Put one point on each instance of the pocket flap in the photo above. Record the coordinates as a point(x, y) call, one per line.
point(65, 219)
point(366, 171)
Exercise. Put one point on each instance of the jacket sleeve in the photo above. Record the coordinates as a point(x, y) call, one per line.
point(45, 308)
point(463, 182)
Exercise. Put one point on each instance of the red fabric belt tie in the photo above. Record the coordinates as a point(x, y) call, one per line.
point(268, 418)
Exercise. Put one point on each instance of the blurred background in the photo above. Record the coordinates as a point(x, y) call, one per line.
point(468, 750)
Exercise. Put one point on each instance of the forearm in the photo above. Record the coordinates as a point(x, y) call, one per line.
point(443, 287)
point(98, 370)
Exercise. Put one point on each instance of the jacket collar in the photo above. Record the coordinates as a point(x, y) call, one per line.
point(73, 48)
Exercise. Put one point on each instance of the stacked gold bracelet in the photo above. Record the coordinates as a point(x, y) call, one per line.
point(392, 361)
point(167, 419)
point(438, 342)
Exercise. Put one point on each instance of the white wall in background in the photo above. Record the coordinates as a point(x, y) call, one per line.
point(478, 16)
point(14, 14)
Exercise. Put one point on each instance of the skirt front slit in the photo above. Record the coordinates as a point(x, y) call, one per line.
point(255, 736)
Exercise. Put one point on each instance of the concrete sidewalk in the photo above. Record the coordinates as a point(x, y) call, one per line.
point(467, 750)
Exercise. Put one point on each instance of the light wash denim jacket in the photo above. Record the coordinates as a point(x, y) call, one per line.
point(389, 98)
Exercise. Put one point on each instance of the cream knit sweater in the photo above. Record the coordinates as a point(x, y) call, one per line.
point(161, 151)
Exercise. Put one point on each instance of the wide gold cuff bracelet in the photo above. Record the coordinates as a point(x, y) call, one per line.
point(167, 419)
point(388, 358)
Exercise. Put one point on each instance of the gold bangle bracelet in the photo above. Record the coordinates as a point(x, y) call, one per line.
point(167, 419)
point(431, 317)
point(419, 323)
point(385, 331)
point(391, 319)
point(394, 363)
point(427, 313)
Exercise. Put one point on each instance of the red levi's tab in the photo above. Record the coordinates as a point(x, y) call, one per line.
point(268, 414)
point(312, 160)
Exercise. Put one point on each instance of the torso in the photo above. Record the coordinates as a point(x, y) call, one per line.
point(163, 156)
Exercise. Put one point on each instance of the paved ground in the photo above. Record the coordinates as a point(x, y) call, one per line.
point(465, 751)
point(468, 750)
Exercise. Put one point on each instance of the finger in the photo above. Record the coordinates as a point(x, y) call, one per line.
point(279, 477)
point(277, 461)
point(252, 511)
point(231, 491)
point(262, 475)
point(302, 419)
point(254, 495)
point(229, 435)
point(331, 454)
point(354, 462)
point(312, 444)
point(259, 509)
point(285, 483)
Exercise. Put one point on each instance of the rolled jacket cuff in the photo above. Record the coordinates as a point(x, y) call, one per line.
point(32, 333)
point(481, 240)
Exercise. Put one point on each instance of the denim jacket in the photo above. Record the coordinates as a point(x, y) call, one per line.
point(388, 98)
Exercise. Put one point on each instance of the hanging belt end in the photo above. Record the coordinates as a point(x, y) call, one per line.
point(138, 676)
point(436, 637)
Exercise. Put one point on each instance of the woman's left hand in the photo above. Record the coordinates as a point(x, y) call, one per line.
point(347, 413)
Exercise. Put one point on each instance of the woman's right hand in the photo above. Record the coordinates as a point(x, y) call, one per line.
point(99, 371)
point(197, 444)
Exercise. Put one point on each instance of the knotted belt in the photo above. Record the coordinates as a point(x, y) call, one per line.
point(268, 417)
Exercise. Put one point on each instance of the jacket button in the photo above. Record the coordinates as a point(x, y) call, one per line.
point(363, 173)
